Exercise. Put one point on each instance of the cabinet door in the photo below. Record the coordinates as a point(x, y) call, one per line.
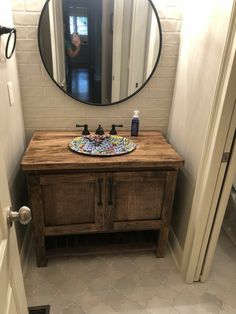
point(74, 201)
point(136, 199)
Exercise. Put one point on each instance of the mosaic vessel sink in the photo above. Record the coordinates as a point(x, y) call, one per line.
point(105, 145)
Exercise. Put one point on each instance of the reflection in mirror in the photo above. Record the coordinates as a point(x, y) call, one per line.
point(100, 51)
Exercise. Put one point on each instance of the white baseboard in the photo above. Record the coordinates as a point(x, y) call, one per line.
point(26, 249)
point(175, 249)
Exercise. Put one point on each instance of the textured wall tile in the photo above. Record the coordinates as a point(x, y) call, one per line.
point(174, 13)
point(169, 61)
point(22, 58)
point(32, 69)
point(158, 93)
point(171, 38)
point(29, 91)
point(52, 91)
point(164, 83)
point(22, 32)
point(34, 5)
point(169, 25)
point(24, 18)
point(38, 101)
point(170, 50)
point(34, 58)
point(18, 5)
point(32, 32)
point(26, 45)
point(165, 72)
point(35, 80)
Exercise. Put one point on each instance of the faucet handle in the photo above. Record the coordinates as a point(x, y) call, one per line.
point(100, 130)
point(85, 130)
point(113, 128)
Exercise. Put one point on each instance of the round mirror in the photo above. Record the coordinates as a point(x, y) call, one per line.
point(100, 52)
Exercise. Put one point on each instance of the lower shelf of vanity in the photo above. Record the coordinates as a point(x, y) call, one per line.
point(101, 243)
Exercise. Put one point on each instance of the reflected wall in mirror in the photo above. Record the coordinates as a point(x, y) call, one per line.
point(100, 52)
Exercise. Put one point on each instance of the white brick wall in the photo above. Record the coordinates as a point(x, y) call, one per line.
point(46, 107)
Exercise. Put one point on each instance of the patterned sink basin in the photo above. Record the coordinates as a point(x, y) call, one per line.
point(105, 145)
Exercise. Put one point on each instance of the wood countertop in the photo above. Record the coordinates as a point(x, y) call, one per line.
point(48, 150)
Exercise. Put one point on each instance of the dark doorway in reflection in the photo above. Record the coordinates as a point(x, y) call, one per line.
point(83, 85)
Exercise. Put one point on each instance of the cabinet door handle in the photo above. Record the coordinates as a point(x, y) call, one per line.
point(110, 201)
point(100, 182)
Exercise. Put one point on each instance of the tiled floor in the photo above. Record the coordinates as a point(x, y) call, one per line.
point(229, 223)
point(132, 284)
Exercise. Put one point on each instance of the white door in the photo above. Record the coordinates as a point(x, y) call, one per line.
point(12, 293)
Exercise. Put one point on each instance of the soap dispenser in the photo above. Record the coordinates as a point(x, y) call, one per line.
point(135, 123)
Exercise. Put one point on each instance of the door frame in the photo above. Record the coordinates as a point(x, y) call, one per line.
point(222, 203)
point(212, 171)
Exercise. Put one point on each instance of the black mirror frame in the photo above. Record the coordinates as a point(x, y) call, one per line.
point(124, 99)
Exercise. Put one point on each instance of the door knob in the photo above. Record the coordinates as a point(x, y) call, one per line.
point(23, 216)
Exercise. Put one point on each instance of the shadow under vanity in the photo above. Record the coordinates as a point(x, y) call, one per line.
point(74, 194)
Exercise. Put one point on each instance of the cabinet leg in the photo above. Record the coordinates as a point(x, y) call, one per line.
point(41, 257)
point(162, 242)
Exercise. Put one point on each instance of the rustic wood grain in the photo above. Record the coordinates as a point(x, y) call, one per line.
point(77, 194)
point(166, 213)
point(38, 219)
point(137, 225)
point(70, 229)
point(49, 150)
point(69, 199)
point(138, 195)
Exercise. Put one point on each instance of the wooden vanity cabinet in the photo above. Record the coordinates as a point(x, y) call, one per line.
point(73, 199)
point(76, 194)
